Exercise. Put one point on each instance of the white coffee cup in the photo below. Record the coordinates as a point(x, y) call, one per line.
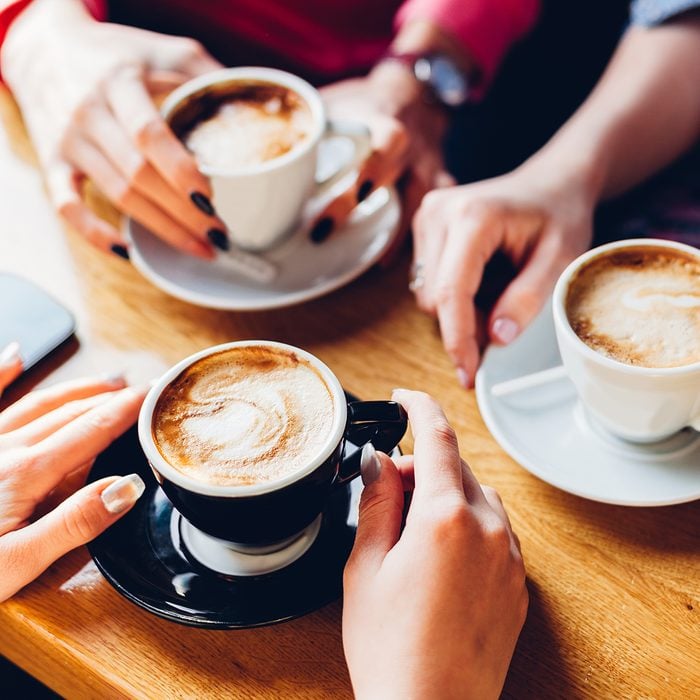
point(260, 204)
point(640, 404)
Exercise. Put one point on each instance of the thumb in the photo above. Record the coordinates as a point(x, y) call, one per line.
point(26, 553)
point(381, 508)
point(526, 294)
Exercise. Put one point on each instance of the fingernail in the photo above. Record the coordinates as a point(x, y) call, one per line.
point(505, 330)
point(115, 379)
point(463, 377)
point(120, 250)
point(398, 390)
point(123, 493)
point(10, 354)
point(218, 238)
point(365, 188)
point(322, 229)
point(203, 203)
point(370, 466)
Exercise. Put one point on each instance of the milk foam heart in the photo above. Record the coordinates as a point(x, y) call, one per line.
point(244, 416)
point(639, 306)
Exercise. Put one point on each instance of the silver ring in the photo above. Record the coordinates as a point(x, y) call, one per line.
point(417, 278)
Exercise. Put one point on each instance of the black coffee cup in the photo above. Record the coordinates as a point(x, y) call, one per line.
point(269, 512)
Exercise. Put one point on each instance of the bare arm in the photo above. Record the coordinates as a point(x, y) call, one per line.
point(643, 114)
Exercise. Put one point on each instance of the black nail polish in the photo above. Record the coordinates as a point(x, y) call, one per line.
point(120, 250)
point(365, 188)
point(202, 203)
point(322, 230)
point(218, 238)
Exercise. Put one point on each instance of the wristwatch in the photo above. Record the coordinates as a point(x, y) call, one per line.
point(444, 81)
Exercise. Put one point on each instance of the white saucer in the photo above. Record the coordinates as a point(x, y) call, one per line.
point(305, 270)
point(545, 429)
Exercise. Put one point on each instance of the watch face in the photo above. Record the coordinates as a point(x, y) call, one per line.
point(446, 80)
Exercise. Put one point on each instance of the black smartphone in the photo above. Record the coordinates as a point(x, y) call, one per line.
point(33, 318)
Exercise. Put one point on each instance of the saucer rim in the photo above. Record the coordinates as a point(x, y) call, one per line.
point(282, 300)
point(192, 620)
point(487, 407)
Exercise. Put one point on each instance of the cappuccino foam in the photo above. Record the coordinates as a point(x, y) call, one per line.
point(244, 416)
point(251, 126)
point(639, 306)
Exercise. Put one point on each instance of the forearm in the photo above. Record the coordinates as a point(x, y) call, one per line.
point(643, 114)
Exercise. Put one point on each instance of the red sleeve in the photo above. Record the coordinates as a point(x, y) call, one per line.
point(97, 8)
point(487, 28)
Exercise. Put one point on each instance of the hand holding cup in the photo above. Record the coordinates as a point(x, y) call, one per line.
point(435, 609)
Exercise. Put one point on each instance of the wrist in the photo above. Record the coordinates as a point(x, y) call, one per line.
point(561, 165)
point(40, 23)
point(395, 87)
point(424, 37)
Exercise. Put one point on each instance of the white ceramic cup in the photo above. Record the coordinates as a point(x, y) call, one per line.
point(639, 404)
point(262, 203)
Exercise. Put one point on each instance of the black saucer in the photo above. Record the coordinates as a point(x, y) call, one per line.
point(146, 563)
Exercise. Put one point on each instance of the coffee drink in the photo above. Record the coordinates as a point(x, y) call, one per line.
point(639, 306)
point(246, 415)
point(247, 124)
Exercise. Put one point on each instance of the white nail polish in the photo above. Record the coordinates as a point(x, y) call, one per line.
point(10, 354)
point(370, 466)
point(115, 379)
point(123, 493)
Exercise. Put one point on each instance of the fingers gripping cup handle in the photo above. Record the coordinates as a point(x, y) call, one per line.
point(383, 423)
point(359, 136)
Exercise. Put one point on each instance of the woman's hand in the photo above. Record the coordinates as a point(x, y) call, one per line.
point(432, 611)
point(48, 441)
point(406, 134)
point(85, 90)
point(534, 215)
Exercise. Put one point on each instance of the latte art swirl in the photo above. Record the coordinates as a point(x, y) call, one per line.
point(639, 306)
point(244, 416)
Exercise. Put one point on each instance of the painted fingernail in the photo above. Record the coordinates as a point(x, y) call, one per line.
point(203, 203)
point(123, 493)
point(463, 377)
point(218, 238)
point(505, 330)
point(10, 354)
point(120, 250)
point(115, 379)
point(370, 466)
point(322, 229)
point(363, 191)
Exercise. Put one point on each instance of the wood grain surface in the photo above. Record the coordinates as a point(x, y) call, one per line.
point(615, 592)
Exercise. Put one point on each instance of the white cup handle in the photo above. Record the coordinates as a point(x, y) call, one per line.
point(360, 137)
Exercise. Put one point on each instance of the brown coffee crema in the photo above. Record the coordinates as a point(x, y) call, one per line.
point(639, 306)
point(241, 124)
point(247, 415)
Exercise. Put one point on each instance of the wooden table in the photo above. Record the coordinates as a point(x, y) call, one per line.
point(615, 592)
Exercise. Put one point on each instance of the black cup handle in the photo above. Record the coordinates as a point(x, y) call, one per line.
point(383, 423)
